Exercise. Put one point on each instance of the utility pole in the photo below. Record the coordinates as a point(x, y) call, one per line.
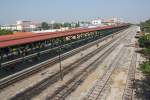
point(1, 58)
point(60, 65)
point(0, 62)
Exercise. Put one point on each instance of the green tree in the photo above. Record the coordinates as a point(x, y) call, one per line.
point(145, 26)
point(44, 26)
point(57, 25)
point(5, 32)
point(66, 25)
point(144, 41)
point(146, 52)
point(77, 25)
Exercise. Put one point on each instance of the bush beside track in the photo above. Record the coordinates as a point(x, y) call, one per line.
point(144, 43)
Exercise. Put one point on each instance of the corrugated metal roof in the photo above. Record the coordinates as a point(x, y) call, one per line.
point(11, 40)
point(15, 36)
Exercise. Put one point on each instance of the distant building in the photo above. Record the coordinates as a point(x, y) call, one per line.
point(84, 24)
point(52, 30)
point(9, 27)
point(96, 22)
point(25, 26)
point(112, 21)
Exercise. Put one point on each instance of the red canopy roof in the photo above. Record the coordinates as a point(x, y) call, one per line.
point(17, 39)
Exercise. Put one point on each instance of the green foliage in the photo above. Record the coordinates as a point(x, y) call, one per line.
point(144, 41)
point(145, 67)
point(145, 26)
point(57, 25)
point(45, 26)
point(146, 53)
point(5, 32)
point(77, 24)
point(67, 25)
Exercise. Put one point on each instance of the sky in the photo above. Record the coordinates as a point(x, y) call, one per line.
point(133, 11)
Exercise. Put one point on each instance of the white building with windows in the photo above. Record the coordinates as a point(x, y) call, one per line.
point(96, 22)
point(9, 27)
point(26, 25)
point(112, 21)
point(21, 26)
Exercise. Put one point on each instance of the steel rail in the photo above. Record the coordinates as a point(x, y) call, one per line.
point(36, 68)
point(128, 91)
point(36, 89)
point(4, 64)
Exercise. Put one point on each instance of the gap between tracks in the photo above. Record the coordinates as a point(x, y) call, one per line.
point(31, 92)
point(36, 68)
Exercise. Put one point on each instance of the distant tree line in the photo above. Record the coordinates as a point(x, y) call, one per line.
point(45, 25)
point(145, 26)
point(5, 32)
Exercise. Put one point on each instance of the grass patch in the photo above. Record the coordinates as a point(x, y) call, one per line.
point(145, 67)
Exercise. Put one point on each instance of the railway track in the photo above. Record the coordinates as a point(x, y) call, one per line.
point(35, 54)
point(97, 91)
point(36, 89)
point(31, 92)
point(36, 68)
point(128, 92)
point(73, 83)
point(62, 92)
point(5, 64)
